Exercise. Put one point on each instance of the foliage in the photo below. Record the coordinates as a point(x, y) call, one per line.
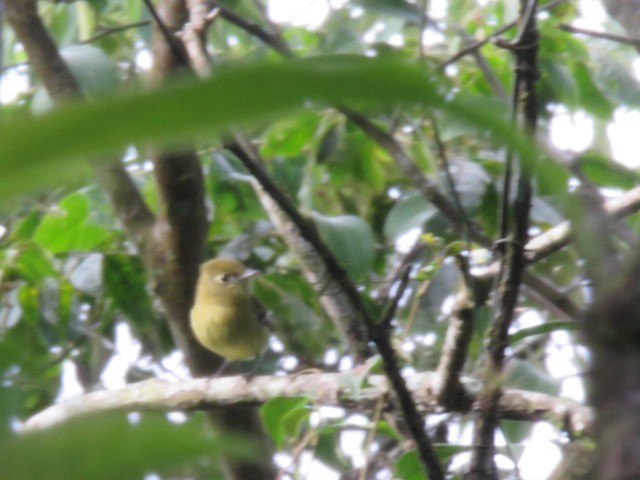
point(70, 276)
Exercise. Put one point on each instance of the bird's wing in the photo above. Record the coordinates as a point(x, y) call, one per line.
point(261, 314)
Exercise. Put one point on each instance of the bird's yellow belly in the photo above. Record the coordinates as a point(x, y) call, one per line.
point(232, 334)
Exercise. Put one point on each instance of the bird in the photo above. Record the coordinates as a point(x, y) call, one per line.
point(226, 318)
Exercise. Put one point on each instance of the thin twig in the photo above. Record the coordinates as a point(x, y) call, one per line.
point(446, 166)
point(273, 40)
point(105, 31)
point(489, 38)
point(635, 42)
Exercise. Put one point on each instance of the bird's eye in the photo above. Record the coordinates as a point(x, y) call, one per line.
point(224, 278)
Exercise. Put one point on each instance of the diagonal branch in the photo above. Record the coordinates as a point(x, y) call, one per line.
point(378, 332)
point(322, 270)
point(42, 51)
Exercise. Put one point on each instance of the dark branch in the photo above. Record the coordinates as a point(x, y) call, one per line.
point(380, 335)
point(496, 33)
point(513, 262)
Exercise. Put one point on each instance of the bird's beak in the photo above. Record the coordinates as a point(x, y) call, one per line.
point(248, 273)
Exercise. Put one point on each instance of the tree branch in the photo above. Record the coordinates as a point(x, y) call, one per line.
point(181, 233)
point(451, 394)
point(635, 42)
point(496, 33)
point(42, 51)
point(337, 294)
point(558, 237)
point(378, 332)
point(330, 389)
point(513, 263)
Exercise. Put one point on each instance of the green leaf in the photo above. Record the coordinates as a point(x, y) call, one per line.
point(615, 79)
point(604, 171)
point(470, 180)
point(410, 212)
point(351, 240)
point(94, 71)
point(591, 97)
point(384, 428)
point(68, 229)
point(409, 467)
point(289, 137)
point(33, 264)
point(527, 376)
point(108, 447)
point(363, 159)
point(561, 81)
point(399, 8)
point(29, 157)
point(552, 178)
point(453, 125)
point(541, 330)
point(284, 416)
point(328, 449)
point(25, 227)
point(125, 282)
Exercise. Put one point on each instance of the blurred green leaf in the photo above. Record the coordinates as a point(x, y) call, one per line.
point(94, 71)
point(405, 10)
point(33, 263)
point(591, 98)
point(328, 448)
point(561, 81)
point(552, 178)
point(604, 171)
point(615, 79)
point(350, 239)
point(289, 136)
point(232, 97)
point(25, 227)
point(284, 416)
point(411, 211)
point(69, 229)
point(541, 330)
point(107, 447)
point(409, 467)
point(453, 125)
point(125, 282)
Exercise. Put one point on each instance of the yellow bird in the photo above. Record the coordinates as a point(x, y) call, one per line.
point(226, 318)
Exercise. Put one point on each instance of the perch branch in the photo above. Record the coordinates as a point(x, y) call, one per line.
point(331, 389)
